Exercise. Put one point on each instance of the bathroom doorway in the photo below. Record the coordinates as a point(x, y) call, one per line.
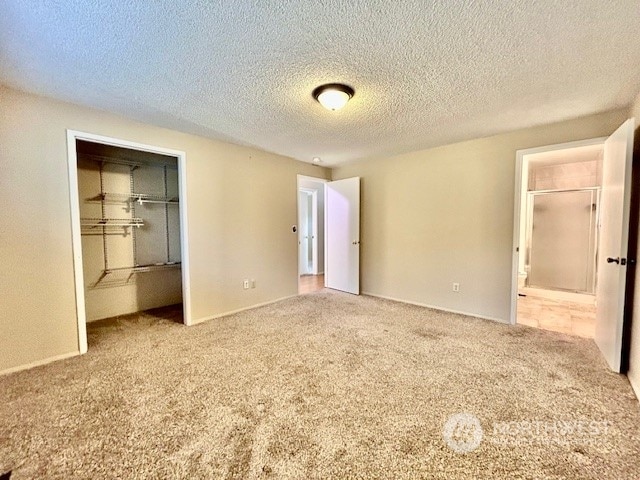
point(557, 265)
point(606, 175)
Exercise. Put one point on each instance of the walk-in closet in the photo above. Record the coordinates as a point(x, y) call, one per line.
point(130, 229)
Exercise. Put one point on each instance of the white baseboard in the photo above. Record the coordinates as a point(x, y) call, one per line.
point(250, 307)
point(39, 363)
point(435, 307)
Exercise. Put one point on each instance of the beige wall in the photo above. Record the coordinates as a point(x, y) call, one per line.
point(634, 359)
point(444, 215)
point(634, 111)
point(241, 201)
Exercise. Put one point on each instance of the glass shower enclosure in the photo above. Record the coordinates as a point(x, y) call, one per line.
point(562, 239)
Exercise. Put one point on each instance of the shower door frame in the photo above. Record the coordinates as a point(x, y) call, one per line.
point(593, 229)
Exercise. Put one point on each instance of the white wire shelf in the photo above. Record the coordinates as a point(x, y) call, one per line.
point(111, 222)
point(144, 268)
point(129, 272)
point(139, 198)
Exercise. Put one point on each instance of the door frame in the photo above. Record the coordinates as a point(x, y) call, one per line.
point(517, 208)
point(313, 193)
point(74, 203)
point(300, 178)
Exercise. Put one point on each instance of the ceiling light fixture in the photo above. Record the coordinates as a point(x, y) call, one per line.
point(316, 159)
point(333, 96)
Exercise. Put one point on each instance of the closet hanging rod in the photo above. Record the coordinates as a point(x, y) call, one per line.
point(130, 163)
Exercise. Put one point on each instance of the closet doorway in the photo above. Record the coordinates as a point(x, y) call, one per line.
point(311, 237)
point(129, 229)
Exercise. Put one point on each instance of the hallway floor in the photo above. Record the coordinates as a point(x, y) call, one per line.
point(310, 283)
point(557, 315)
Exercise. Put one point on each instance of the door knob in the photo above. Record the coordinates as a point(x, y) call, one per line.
point(613, 260)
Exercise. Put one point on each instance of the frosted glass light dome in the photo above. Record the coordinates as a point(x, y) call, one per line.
point(333, 96)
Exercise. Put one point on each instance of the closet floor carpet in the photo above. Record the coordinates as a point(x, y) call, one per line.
point(325, 385)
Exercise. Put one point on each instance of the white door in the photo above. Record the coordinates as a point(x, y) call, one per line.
point(343, 235)
point(614, 235)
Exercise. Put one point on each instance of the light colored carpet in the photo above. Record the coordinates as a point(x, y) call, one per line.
point(325, 385)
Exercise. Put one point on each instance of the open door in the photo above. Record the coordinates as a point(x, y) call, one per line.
point(343, 235)
point(614, 238)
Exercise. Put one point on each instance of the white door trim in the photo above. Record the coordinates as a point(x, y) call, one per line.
point(311, 179)
point(315, 208)
point(520, 154)
point(314, 227)
point(74, 199)
point(314, 232)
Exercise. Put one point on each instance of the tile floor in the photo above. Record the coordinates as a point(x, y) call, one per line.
point(557, 315)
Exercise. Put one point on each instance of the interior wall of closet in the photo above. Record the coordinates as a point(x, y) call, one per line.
point(129, 209)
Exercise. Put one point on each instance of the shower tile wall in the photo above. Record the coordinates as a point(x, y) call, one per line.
point(566, 176)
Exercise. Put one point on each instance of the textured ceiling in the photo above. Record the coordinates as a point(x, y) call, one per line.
point(425, 72)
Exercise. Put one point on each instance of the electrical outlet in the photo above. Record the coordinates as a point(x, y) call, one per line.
point(245, 284)
point(456, 287)
point(253, 283)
